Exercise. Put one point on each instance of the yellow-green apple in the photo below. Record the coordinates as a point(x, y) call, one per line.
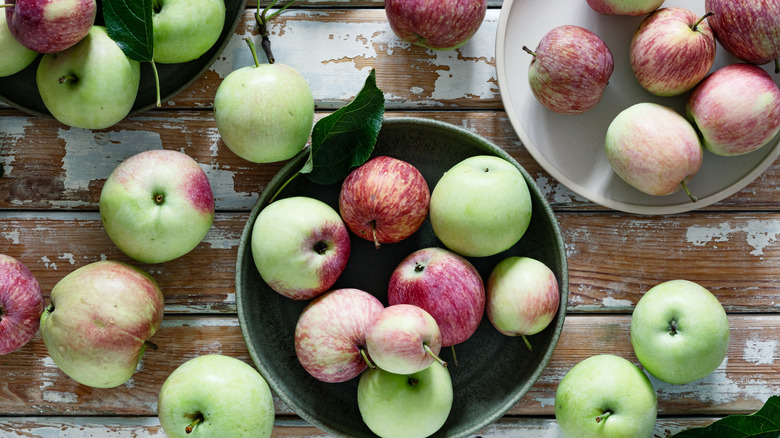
point(481, 206)
point(14, 57)
point(679, 331)
point(98, 322)
point(330, 334)
point(404, 339)
point(570, 69)
point(21, 304)
point(736, 109)
point(625, 7)
point(157, 205)
point(606, 396)
point(439, 25)
point(91, 85)
point(50, 26)
point(216, 396)
point(184, 30)
point(522, 297)
point(385, 200)
point(672, 50)
point(300, 246)
point(748, 29)
point(653, 148)
point(445, 285)
point(405, 405)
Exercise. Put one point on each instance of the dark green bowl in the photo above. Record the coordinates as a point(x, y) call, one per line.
point(494, 371)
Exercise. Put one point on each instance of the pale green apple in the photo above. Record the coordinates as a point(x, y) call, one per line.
point(91, 85)
point(481, 206)
point(216, 396)
point(186, 29)
point(679, 331)
point(405, 405)
point(14, 57)
point(606, 396)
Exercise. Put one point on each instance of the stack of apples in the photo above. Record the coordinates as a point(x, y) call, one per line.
point(435, 296)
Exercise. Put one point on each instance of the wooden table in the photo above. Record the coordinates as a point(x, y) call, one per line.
point(49, 221)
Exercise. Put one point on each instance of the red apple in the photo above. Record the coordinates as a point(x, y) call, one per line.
point(748, 29)
point(446, 285)
point(672, 51)
point(330, 335)
point(21, 304)
point(49, 26)
point(438, 25)
point(624, 7)
point(385, 200)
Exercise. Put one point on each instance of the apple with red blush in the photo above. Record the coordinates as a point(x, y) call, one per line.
point(748, 29)
point(21, 304)
point(50, 26)
point(439, 25)
point(631, 8)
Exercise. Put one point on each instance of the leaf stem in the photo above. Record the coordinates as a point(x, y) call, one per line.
point(156, 82)
point(273, 198)
point(262, 24)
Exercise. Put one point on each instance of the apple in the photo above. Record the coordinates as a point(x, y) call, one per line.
point(21, 304)
point(445, 285)
point(654, 149)
point(330, 334)
point(439, 25)
point(300, 246)
point(522, 297)
point(385, 200)
point(679, 331)
point(98, 322)
point(50, 26)
point(748, 29)
point(736, 109)
point(264, 113)
point(412, 405)
point(625, 7)
point(570, 69)
point(157, 205)
point(481, 206)
point(672, 51)
point(215, 395)
point(185, 29)
point(606, 396)
point(404, 339)
point(92, 85)
point(14, 57)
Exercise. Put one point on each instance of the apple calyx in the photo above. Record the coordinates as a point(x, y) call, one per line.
point(529, 51)
point(159, 198)
point(688, 192)
point(696, 24)
point(672, 327)
point(413, 381)
point(603, 417)
point(364, 355)
point(69, 79)
point(198, 419)
point(428, 350)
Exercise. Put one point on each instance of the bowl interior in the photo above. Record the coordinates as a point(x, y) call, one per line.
point(493, 370)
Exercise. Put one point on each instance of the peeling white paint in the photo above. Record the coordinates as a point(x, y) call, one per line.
point(201, 322)
point(67, 257)
point(11, 131)
point(615, 303)
point(559, 193)
point(759, 234)
point(13, 236)
point(48, 263)
point(760, 352)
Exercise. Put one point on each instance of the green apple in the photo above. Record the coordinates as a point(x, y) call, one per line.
point(216, 396)
point(405, 405)
point(14, 57)
point(606, 396)
point(481, 206)
point(91, 85)
point(679, 331)
point(186, 29)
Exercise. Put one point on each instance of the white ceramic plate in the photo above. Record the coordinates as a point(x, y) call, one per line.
point(571, 148)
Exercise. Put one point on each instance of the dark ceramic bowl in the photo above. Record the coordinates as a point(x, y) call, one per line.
point(21, 92)
point(493, 372)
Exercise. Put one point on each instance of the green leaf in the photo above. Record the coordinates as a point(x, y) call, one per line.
point(129, 23)
point(346, 138)
point(765, 423)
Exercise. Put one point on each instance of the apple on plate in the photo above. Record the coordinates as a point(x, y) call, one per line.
point(439, 25)
point(385, 200)
point(330, 334)
point(748, 29)
point(736, 109)
point(625, 7)
point(412, 405)
point(216, 396)
point(606, 396)
point(445, 285)
point(157, 205)
point(481, 206)
point(91, 85)
point(672, 50)
point(300, 246)
point(50, 26)
point(679, 331)
point(570, 69)
point(98, 322)
point(14, 57)
point(184, 30)
point(21, 304)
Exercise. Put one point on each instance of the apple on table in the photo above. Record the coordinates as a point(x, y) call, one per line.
point(21, 304)
point(50, 26)
point(185, 29)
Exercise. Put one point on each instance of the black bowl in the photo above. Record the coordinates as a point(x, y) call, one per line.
point(493, 372)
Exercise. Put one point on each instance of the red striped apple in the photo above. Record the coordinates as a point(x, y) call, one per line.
point(624, 7)
point(50, 26)
point(21, 304)
point(748, 29)
point(439, 25)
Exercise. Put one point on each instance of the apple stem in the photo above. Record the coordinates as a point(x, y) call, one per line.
point(777, 65)
point(529, 50)
point(428, 350)
point(367, 359)
point(251, 45)
point(696, 24)
point(688, 192)
point(603, 416)
point(373, 231)
point(7, 5)
point(195, 422)
point(454, 356)
point(527, 343)
point(262, 24)
point(150, 345)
